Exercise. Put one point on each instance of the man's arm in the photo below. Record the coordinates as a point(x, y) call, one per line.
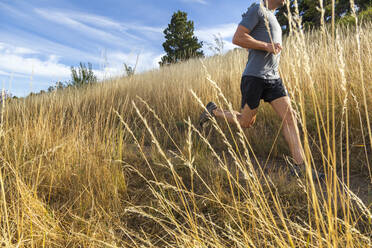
point(243, 39)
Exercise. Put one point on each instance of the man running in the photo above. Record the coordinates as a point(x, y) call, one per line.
point(261, 79)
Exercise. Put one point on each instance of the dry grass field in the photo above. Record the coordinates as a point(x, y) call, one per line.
point(124, 164)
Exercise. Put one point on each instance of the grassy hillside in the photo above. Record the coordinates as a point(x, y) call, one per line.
point(123, 163)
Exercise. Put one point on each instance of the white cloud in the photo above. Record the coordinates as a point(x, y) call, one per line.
point(224, 31)
point(24, 50)
point(16, 60)
point(24, 71)
point(13, 11)
point(22, 40)
point(16, 64)
point(96, 20)
point(70, 22)
point(101, 21)
point(147, 60)
point(100, 27)
point(4, 73)
point(114, 42)
point(195, 1)
point(7, 49)
point(33, 66)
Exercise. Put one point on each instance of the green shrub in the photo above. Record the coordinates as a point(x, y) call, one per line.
point(363, 17)
point(366, 15)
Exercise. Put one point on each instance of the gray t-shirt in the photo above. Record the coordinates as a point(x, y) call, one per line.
point(261, 63)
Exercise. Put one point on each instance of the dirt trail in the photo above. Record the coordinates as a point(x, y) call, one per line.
point(360, 185)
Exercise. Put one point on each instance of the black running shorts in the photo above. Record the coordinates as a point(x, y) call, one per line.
point(254, 89)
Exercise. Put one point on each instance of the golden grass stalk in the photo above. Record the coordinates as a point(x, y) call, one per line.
point(122, 163)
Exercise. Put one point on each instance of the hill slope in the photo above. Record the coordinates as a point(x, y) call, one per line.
point(123, 164)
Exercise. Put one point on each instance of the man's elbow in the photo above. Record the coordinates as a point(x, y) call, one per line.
point(235, 40)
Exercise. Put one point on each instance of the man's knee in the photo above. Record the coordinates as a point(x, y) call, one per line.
point(290, 118)
point(247, 123)
point(248, 117)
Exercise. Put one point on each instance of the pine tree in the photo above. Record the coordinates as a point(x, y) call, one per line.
point(180, 43)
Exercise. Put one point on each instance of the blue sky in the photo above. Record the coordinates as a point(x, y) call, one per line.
point(41, 39)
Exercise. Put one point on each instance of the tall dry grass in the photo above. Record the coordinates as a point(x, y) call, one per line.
point(123, 163)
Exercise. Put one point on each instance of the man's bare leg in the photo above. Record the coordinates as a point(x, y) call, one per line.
point(246, 118)
point(282, 107)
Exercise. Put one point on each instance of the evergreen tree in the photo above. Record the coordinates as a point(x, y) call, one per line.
point(180, 43)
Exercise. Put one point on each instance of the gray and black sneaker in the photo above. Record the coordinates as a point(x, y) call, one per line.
point(207, 114)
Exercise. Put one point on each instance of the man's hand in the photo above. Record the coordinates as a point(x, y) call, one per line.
point(273, 48)
point(243, 39)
